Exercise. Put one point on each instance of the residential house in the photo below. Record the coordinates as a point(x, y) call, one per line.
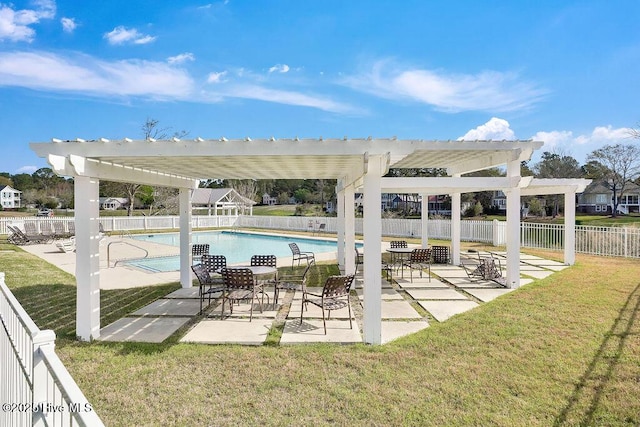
point(10, 197)
point(113, 203)
point(598, 198)
point(269, 200)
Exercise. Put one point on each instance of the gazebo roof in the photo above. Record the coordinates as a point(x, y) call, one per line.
point(177, 161)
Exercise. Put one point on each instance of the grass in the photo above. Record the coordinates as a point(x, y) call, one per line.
point(561, 351)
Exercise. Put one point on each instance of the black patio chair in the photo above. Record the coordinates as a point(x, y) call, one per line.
point(197, 250)
point(419, 259)
point(293, 282)
point(334, 296)
point(207, 286)
point(240, 285)
point(299, 255)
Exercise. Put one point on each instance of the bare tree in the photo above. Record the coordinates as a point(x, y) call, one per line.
point(616, 165)
point(557, 164)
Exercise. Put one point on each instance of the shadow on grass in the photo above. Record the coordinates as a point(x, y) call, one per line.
point(593, 383)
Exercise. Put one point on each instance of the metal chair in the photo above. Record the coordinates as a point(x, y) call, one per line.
point(441, 254)
point(299, 255)
point(240, 285)
point(207, 285)
point(293, 282)
point(334, 296)
point(419, 259)
point(197, 250)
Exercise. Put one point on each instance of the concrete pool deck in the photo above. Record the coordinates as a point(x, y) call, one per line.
point(407, 306)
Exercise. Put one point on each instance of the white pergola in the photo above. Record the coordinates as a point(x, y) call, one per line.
point(357, 164)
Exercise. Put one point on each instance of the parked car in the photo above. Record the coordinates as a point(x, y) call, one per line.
point(45, 212)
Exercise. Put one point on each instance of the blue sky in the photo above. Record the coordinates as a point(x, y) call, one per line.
point(565, 72)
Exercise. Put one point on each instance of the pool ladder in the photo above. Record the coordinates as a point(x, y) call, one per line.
point(146, 253)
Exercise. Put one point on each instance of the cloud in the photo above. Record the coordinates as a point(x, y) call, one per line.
point(183, 57)
point(216, 77)
point(94, 77)
point(495, 128)
point(280, 96)
point(15, 25)
point(280, 68)
point(121, 35)
point(449, 92)
point(27, 169)
point(68, 25)
point(554, 139)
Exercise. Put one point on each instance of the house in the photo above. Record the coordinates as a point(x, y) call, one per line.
point(221, 201)
point(9, 197)
point(269, 200)
point(597, 198)
point(113, 203)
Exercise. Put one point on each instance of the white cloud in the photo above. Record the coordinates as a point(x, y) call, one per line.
point(485, 91)
point(121, 35)
point(554, 139)
point(68, 25)
point(495, 128)
point(280, 68)
point(183, 57)
point(92, 76)
point(15, 25)
point(216, 77)
point(27, 169)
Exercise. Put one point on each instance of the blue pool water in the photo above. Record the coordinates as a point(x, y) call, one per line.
point(237, 247)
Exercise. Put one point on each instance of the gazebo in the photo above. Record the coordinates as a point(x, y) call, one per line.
point(358, 165)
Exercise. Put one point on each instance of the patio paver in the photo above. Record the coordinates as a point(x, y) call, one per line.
point(170, 307)
point(229, 331)
point(442, 310)
point(142, 329)
point(312, 331)
point(436, 294)
point(394, 330)
point(486, 295)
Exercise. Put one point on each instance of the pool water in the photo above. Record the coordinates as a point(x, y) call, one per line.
point(237, 247)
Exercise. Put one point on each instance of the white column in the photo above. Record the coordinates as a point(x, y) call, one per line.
point(87, 211)
point(456, 216)
point(349, 230)
point(569, 228)
point(425, 220)
point(185, 237)
point(372, 231)
point(513, 228)
point(340, 226)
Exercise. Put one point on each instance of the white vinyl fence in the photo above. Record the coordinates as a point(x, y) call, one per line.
point(606, 241)
point(36, 389)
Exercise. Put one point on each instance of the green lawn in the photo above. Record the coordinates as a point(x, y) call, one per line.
point(562, 351)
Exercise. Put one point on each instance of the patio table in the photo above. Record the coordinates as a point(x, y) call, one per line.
point(399, 255)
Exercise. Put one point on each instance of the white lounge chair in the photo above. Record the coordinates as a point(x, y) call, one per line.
point(66, 245)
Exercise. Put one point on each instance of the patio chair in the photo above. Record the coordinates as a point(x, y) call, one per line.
point(214, 265)
point(17, 237)
point(26, 239)
point(240, 285)
point(72, 228)
point(293, 282)
point(207, 286)
point(267, 261)
point(441, 254)
point(488, 268)
point(197, 250)
point(334, 296)
point(299, 256)
point(419, 259)
point(398, 244)
point(47, 230)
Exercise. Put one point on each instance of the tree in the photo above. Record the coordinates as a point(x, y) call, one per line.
point(616, 165)
point(557, 164)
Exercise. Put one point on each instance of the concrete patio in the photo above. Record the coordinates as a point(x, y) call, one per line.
point(407, 307)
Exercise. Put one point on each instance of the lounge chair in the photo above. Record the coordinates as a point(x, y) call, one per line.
point(66, 245)
point(488, 268)
point(299, 255)
point(24, 239)
point(59, 230)
point(334, 296)
point(31, 230)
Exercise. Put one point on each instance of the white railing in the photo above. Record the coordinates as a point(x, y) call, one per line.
point(36, 389)
point(607, 241)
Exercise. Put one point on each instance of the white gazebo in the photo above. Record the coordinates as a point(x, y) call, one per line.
point(357, 164)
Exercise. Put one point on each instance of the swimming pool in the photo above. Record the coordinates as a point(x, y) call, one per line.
point(237, 247)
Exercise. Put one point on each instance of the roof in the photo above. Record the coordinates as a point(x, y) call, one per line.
point(8, 187)
point(211, 196)
point(176, 161)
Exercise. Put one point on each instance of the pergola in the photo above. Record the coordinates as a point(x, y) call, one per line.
point(358, 165)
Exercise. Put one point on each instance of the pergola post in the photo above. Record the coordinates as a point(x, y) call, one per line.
point(372, 231)
point(185, 237)
point(513, 227)
point(456, 199)
point(87, 211)
point(340, 225)
point(425, 220)
point(569, 228)
point(349, 230)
